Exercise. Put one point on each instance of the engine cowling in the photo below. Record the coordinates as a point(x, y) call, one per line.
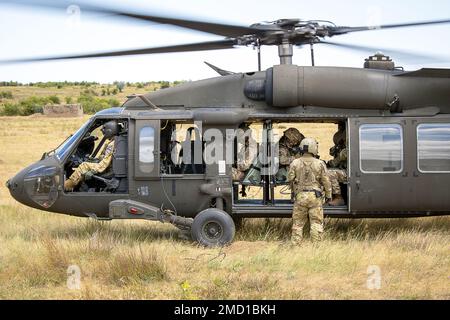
point(352, 88)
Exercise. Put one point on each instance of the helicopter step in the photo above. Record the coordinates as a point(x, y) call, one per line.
point(211, 227)
point(129, 209)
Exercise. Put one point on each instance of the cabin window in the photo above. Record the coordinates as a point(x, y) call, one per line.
point(381, 148)
point(146, 149)
point(181, 148)
point(433, 147)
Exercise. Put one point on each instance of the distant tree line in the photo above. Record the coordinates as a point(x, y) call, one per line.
point(120, 85)
point(10, 84)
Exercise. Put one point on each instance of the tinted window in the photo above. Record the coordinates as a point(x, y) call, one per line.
point(146, 149)
point(381, 148)
point(433, 147)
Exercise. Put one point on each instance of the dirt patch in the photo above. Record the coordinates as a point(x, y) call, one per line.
point(63, 110)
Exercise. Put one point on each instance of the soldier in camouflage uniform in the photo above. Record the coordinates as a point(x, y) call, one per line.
point(246, 153)
point(308, 177)
point(288, 148)
point(337, 171)
point(87, 169)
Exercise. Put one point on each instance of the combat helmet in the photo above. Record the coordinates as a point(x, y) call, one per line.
point(339, 137)
point(310, 145)
point(244, 126)
point(110, 129)
point(294, 136)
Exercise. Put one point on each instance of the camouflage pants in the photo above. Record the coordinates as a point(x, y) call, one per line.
point(337, 176)
point(307, 206)
point(78, 175)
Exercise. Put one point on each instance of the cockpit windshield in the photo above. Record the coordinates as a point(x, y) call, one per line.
point(64, 148)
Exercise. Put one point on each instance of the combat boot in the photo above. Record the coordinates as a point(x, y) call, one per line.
point(337, 201)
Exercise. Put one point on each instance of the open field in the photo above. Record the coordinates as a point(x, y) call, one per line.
point(29, 99)
point(72, 91)
point(149, 260)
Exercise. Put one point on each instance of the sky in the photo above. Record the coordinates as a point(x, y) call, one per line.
point(26, 32)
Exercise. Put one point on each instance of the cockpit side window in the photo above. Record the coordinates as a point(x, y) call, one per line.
point(97, 163)
point(62, 151)
point(182, 148)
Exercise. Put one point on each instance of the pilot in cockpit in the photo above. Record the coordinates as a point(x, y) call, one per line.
point(98, 165)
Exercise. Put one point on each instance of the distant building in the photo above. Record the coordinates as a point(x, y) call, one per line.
point(63, 110)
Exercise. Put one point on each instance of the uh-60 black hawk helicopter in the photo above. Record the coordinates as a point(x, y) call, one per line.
point(397, 127)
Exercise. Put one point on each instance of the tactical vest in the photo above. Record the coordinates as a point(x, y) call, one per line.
point(308, 175)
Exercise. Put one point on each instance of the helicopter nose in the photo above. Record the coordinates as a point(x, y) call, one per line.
point(14, 186)
point(35, 185)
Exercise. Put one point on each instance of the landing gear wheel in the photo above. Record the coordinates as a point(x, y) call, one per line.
point(213, 227)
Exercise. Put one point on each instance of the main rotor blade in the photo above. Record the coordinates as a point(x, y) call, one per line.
point(202, 46)
point(394, 53)
point(226, 30)
point(343, 30)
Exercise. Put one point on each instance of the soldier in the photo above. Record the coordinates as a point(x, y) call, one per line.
point(288, 151)
point(339, 145)
point(85, 170)
point(338, 166)
point(246, 152)
point(308, 177)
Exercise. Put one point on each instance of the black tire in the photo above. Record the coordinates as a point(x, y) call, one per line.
point(213, 227)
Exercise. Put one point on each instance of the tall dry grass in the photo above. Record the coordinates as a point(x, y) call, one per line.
point(148, 260)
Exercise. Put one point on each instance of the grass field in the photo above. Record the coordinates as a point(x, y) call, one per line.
point(22, 92)
point(28, 99)
point(149, 260)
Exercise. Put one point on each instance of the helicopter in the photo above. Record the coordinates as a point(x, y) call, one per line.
point(396, 124)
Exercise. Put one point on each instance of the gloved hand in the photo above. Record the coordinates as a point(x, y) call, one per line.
point(88, 175)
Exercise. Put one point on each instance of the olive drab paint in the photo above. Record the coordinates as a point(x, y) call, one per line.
point(348, 96)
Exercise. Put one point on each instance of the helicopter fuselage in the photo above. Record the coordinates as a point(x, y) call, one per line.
point(406, 105)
